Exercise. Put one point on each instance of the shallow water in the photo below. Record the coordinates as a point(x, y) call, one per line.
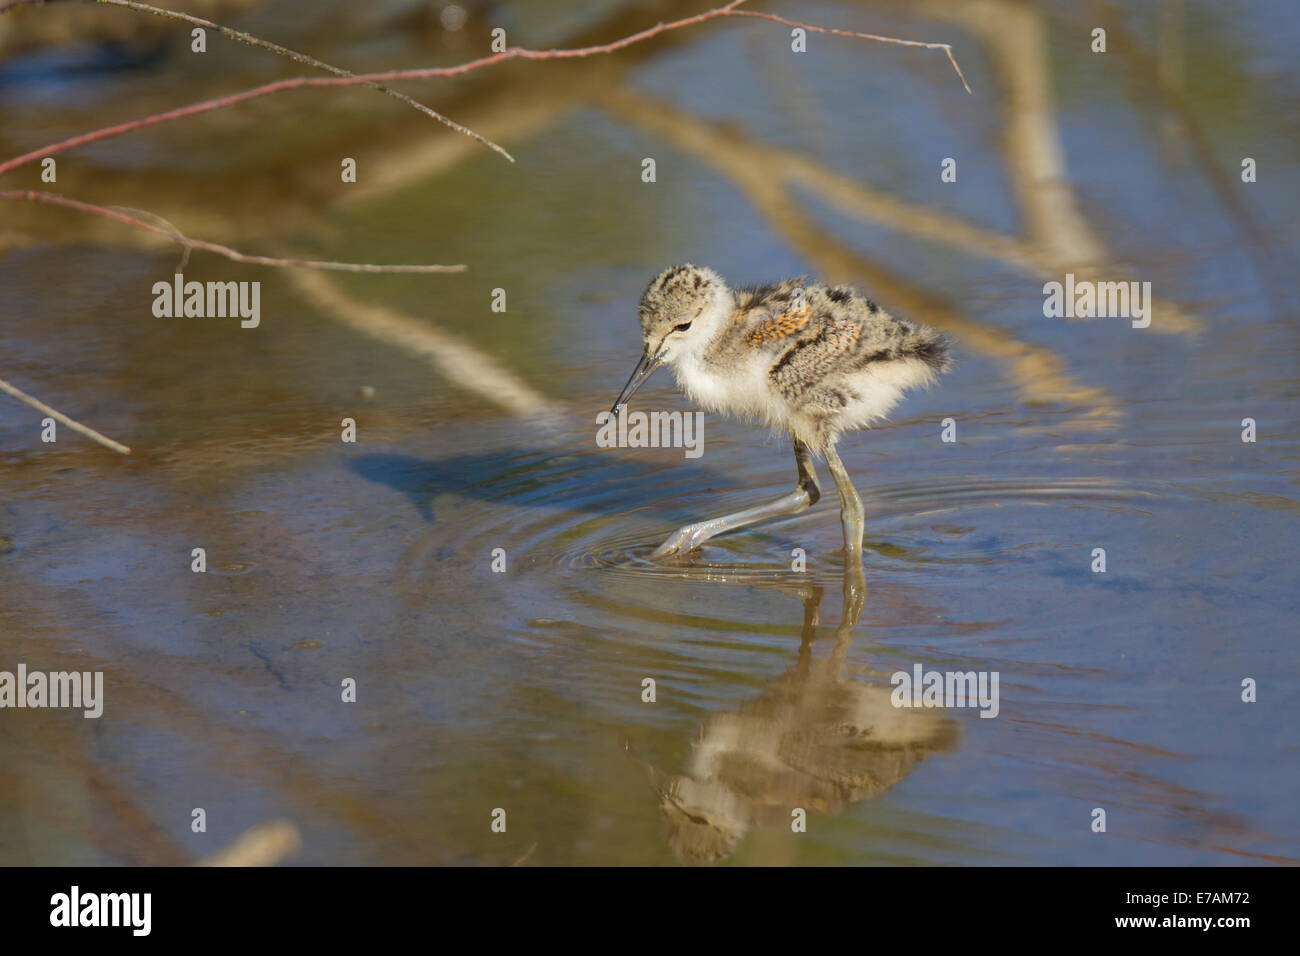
point(522, 690)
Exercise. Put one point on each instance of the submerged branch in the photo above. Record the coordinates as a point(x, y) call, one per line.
point(459, 361)
point(266, 844)
point(760, 174)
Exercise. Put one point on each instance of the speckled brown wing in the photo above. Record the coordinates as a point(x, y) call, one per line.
point(827, 346)
point(766, 328)
point(844, 334)
point(769, 314)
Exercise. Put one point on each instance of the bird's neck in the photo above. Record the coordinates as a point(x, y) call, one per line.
point(703, 378)
point(710, 327)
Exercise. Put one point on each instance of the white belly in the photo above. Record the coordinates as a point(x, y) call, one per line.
point(746, 392)
point(880, 387)
point(743, 390)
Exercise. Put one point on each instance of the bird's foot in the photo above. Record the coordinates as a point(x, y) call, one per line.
point(682, 541)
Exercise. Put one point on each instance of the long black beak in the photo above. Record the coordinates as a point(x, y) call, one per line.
point(644, 369)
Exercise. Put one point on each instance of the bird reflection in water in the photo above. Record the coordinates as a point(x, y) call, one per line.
point(814, 740)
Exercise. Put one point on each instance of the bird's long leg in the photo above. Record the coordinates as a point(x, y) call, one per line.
point(852, 520)
point(691, 536)
point(851, 513)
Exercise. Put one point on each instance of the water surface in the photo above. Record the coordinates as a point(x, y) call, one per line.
point(523, 690)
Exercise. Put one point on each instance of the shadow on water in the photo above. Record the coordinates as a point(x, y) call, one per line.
point(589, 481)
point(604, 510)
point(537, 477)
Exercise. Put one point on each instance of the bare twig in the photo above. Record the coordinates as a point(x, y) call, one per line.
point(171, 230)
point(388, 76)
point(229, 253)
point(300, 58)
point(946, 47)
point(60, 417)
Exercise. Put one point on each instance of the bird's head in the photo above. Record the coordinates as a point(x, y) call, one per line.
point(680, 311)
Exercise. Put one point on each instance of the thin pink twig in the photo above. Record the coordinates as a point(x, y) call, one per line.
point(389, 76)
point(294, 55)
point(234, 254)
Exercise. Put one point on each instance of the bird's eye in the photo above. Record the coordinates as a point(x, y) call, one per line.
point(682, 328)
